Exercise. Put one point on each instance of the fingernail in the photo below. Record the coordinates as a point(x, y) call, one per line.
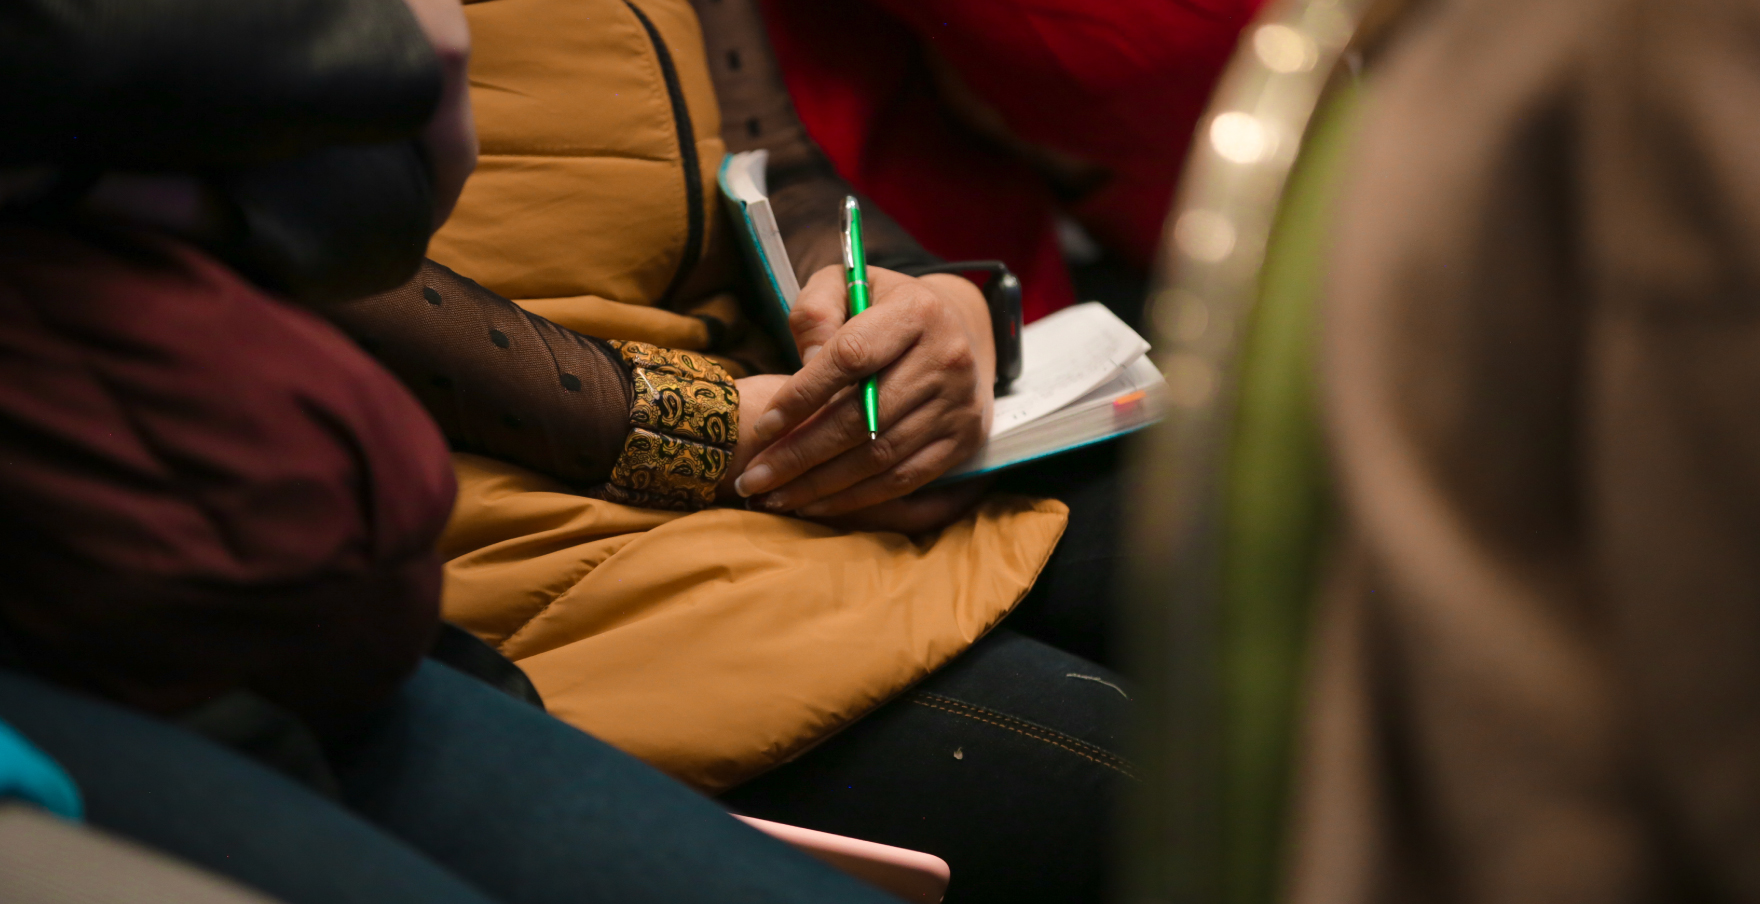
point(808, 353)
point(764, 502)
point(768, 426)
point(754, 480)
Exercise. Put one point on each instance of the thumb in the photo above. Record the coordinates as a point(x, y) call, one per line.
point(818, 311)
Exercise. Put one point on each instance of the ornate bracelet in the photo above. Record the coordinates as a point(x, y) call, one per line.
point(683, 425)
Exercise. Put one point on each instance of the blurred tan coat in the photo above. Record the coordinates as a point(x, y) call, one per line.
point(1539, 666)
point(715, 644)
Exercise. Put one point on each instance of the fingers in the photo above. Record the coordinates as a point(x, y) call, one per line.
point(840, 426)
point(823, 305)
point(754, 396)
point(933, 407)
point(907, 476)
point(818, 311)
point(826, 459)
point(922, 511)
point(861, 347)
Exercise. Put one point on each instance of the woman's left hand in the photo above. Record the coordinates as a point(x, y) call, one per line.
point(930, 508)
point(929, 340)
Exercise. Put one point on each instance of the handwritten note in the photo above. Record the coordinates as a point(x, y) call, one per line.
point(1066, 356)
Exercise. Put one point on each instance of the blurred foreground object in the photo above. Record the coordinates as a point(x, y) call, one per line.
point(44, 860)
point(1232, 499)
point(279, 135)
point(1535, 672)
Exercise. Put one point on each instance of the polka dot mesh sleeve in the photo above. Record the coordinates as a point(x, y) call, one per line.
point(620, 420)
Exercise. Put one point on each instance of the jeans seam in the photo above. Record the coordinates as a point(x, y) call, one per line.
point(1031, 727)
point(1039, 733)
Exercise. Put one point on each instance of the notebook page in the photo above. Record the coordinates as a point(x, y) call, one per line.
point(1066, 356)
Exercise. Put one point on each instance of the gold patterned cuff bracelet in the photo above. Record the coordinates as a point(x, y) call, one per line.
point(683, 424)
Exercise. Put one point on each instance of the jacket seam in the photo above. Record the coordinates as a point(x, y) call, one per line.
point(695, 214)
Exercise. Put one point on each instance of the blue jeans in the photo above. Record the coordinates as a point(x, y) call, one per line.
point(456, 793)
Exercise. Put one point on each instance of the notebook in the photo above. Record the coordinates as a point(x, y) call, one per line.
point(1086, 376)
point(747, 198)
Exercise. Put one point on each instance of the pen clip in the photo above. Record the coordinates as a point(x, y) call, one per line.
point(849, 249)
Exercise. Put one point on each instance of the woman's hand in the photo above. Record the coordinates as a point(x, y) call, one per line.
point(754, 397)
point(929, 340)
point(924, 510)
point(450, 138)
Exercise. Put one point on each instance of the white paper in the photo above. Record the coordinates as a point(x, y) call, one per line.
point(1064, 357)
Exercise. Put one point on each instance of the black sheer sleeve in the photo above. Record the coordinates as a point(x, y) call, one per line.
point(500, 381)
point(182, 84)
point(624, 421)
point(805, 189)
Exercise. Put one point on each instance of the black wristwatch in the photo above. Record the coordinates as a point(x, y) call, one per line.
point(1002, 294)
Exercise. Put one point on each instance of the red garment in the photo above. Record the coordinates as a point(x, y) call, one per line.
point(1119, 83)
point(204, 488)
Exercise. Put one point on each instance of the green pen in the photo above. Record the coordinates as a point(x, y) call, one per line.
point(855, 280)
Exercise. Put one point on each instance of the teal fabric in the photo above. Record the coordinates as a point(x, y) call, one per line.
point(28, 774)
point(1277, 510)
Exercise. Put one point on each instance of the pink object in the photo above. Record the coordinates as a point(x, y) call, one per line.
point(911, 875)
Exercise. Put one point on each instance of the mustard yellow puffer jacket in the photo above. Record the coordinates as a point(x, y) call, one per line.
point(712, 644)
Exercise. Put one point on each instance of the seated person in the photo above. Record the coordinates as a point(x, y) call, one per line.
point(717, 642)
point(210, 495)
point(968, 575)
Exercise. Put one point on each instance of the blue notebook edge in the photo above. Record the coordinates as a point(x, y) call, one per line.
point(773, 317)
point(947, 479)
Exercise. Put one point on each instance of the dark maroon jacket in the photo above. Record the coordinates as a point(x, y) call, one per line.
point(203, 488)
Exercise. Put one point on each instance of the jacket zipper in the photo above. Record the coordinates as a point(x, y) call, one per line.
point(687, 148)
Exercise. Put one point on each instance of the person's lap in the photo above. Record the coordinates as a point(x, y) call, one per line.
point(458, 794)
point(505, 795)
point(1004, 762)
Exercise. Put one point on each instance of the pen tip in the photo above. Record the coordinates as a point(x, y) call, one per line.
point(873, 435)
